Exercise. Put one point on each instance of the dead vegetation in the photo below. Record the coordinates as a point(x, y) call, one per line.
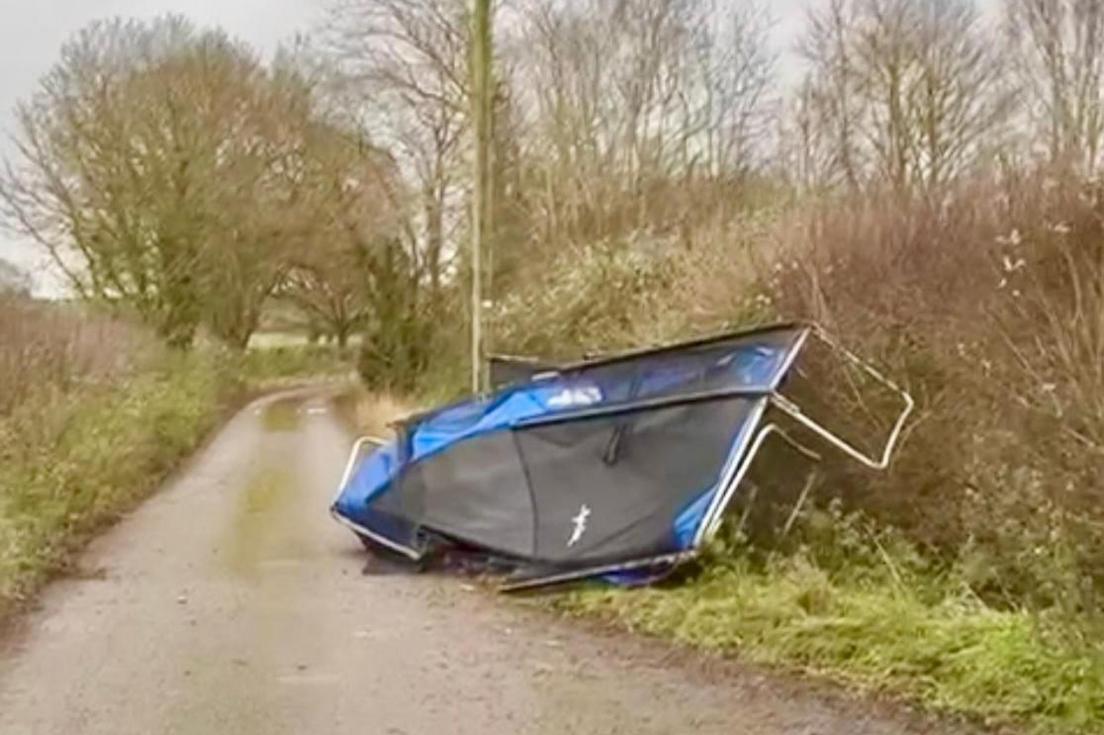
point(93, 413)
point(56, 347)
point(989, 309)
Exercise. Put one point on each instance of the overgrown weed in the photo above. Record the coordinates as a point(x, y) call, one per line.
point(71, 463)
point(986, 301)
point(868, 610)
point(269, 366)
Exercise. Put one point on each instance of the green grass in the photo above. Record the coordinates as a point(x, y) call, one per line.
point(274, 365)
point(70, 464)
point(899, 629)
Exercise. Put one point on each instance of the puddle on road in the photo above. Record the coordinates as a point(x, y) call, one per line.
point(241, 671)
point(345, 408)
point(282, 415)
point(262, 532)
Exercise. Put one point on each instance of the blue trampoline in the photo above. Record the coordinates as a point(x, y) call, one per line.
point(619, 468)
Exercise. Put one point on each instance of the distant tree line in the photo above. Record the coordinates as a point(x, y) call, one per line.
point(170, 171)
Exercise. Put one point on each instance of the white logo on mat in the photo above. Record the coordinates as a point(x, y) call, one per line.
point(571, 397)
point(580, 525)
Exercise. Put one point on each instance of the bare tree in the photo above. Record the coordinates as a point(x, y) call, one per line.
point(1057, 50)
point(622, 100)
point(828, 102)
point(69, 142)
point(404, 66)
point(155, 166)
point(811, 155)
point(353, 209)
point(913, 93)
point(729, 100)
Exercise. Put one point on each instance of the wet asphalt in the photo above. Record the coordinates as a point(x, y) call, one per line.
point(232, 603)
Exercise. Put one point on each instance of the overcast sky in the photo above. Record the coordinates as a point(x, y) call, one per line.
point(32, 31)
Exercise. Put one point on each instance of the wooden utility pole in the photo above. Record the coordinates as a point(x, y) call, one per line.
point(482, 94)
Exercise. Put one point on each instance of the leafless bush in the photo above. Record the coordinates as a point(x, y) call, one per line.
point(990, 308)
point(988, 305)
point(55, 347)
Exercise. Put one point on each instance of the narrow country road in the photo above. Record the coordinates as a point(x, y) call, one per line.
point(231, 603)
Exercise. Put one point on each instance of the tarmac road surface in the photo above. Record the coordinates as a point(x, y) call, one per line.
point(232, 603)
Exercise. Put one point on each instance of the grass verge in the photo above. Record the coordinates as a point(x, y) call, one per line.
point(278, 366)
point(72, 463)
point(899, 630)
point(859, 605)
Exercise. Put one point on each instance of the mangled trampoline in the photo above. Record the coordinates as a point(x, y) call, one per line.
point(620, 467)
